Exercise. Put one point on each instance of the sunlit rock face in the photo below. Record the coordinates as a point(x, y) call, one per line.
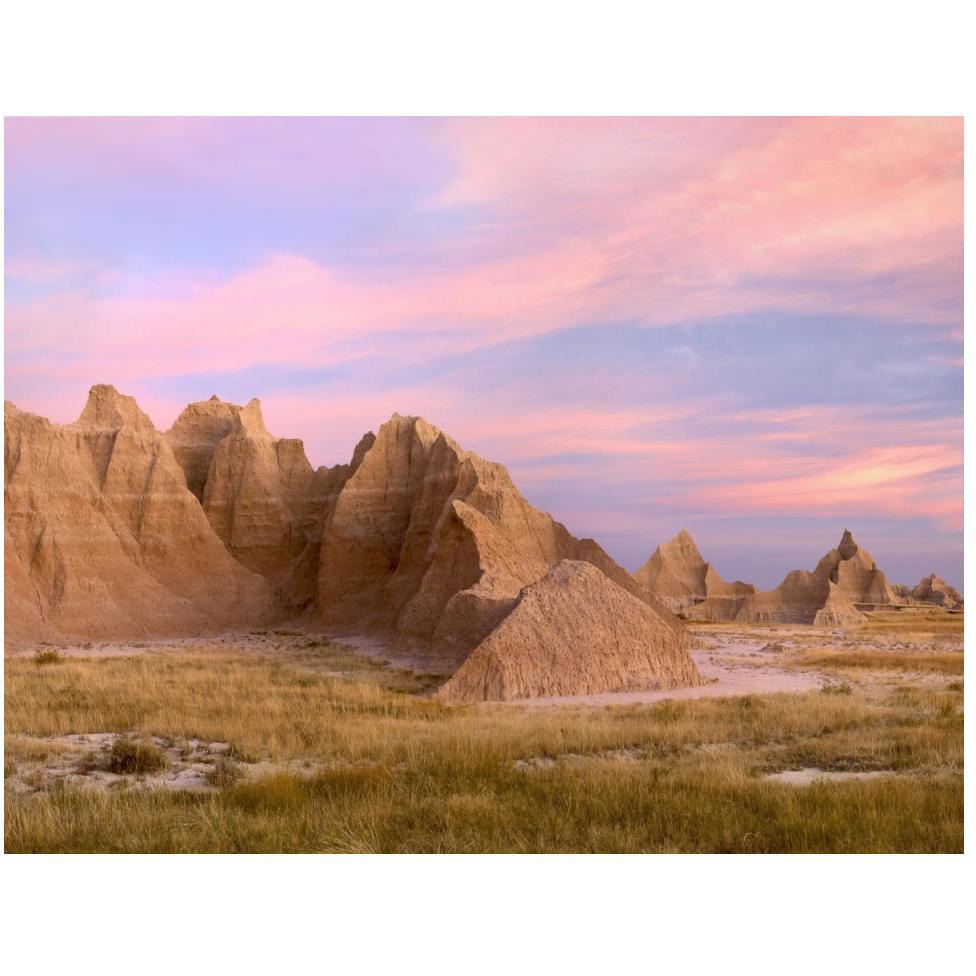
point(103, 536)
point(430, 545)
point(678, 576)
point(574, 632)
point(115, 530)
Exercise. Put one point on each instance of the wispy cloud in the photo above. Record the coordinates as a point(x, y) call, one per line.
point(718, 318)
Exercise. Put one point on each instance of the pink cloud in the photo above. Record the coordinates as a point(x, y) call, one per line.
point(650, 220)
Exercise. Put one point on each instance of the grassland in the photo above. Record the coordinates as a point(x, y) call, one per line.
point(391, 771)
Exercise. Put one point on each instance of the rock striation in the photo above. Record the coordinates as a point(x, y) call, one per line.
point(845, 576)
point(114, 530)
point(103, 537)
point(855, 573)
point(936, 591)
point(574, 632)
point(429, 546)
point(678, 576)
point(802, 598)
point(259, 492)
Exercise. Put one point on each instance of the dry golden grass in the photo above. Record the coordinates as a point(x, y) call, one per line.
point(914, 621)
point(821, 658)
point(414, 775)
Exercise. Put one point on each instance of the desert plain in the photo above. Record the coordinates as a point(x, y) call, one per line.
point(801, 740)
point(212, 647)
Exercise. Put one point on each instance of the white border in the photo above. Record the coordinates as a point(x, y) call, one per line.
point(522, 914)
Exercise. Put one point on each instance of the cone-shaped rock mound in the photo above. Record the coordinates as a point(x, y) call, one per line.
point(678, 576)
point(574, 632)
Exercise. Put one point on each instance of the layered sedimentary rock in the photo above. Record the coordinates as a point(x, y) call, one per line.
point(104, 539)
point(902, 593)
point(936, 591)
point(259, 492)
point(855, 573)
point(844, 577)
point(678, 576)
point(115, 530)
point(573, 632)
point(802, 598)
point(429, 545)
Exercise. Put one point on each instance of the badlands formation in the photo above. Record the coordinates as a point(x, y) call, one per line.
point(935, 590)
point(678, 576)
point(845, 581)
point(115, 530)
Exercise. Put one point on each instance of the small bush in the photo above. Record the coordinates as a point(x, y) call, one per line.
point(50, 656)
point(225, 772)
point(132, 756)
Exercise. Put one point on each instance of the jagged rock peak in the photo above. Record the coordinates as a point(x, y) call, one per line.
point(429, 545)
point(250, 420)
point(855, 572)
point(848, 546)
point(106, 407)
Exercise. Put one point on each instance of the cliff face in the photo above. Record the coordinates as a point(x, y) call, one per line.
point(259, 493)
point(115, 530)
point(431, 545)
point(103, 537)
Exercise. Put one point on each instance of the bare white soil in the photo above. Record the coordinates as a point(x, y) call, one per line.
point(83, 760)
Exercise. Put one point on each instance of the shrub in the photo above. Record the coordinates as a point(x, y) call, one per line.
point(225, 772)
point(129, 755)
point(49, 656)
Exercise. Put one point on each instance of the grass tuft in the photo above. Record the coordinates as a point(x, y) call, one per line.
point(128, 756)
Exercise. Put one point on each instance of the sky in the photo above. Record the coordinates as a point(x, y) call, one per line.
point(747, 327)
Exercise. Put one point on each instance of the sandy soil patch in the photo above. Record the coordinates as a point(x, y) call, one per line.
point(41, 764)
point(811, 775)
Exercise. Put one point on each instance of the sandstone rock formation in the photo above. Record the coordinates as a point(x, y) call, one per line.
point(429, 545)
point(677, 575)
point(103, 538)
point(935, 590)
point(573, 632)
point(259, 492)
point(802, 598)
point(903, 594)
point(855, 573)
point(115, 530)
point(846, 576)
